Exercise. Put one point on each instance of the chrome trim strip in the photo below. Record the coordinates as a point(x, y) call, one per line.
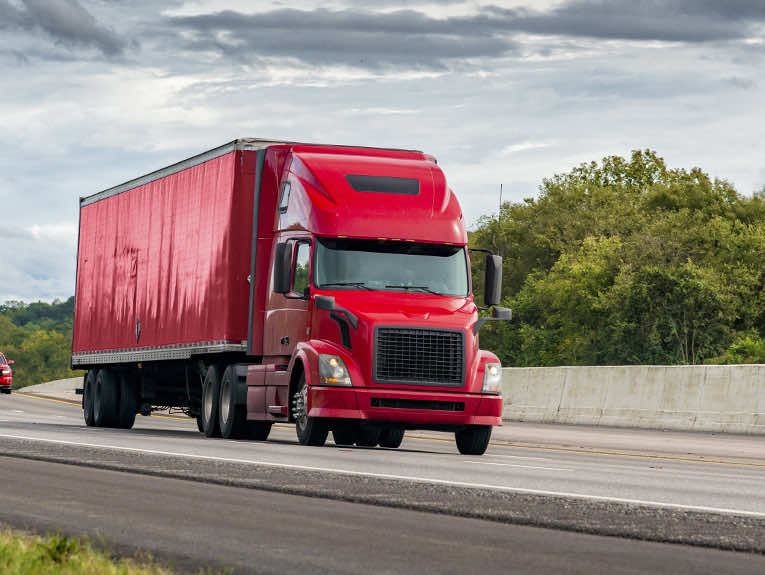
point(160, 353)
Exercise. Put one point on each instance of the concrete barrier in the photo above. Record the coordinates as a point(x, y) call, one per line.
point(728, 398)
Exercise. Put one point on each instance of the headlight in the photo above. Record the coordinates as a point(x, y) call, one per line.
point(492, 378)
point(6, 372)
point(332, 371)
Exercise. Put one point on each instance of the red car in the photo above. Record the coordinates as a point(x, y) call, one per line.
point(6, 374)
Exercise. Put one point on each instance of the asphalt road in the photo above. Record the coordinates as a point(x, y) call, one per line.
point(197, 523)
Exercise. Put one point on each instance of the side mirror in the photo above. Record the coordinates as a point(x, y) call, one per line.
point(502, 313)
point(325, 302)
point(282, 267)
point(11, 362)
point(493, 286)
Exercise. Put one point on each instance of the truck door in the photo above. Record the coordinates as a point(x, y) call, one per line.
point(287, 315)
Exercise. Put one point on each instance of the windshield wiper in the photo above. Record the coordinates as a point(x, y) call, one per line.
point(423, 288)
point(354, 284)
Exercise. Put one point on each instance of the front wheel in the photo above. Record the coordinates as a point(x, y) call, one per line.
point(473, 440)
point(310, 430)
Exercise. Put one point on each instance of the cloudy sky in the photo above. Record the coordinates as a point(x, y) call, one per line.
point(93, 93)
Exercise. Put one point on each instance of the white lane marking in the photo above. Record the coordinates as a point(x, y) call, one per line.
point(505, 488)
point(521, 466)
point(518, 457)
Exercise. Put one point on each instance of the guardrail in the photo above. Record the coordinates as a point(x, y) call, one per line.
point(729, 398)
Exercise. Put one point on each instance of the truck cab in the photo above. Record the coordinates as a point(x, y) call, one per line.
point(370, 313)
point(6, 374)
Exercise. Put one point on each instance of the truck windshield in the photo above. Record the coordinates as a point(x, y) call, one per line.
point(390, 266)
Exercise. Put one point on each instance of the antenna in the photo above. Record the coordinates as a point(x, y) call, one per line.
point(500, 201)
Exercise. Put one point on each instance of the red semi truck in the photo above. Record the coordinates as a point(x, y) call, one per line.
point(267, 281)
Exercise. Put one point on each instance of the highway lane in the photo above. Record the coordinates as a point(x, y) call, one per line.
point(193, 524)
point(725, 486)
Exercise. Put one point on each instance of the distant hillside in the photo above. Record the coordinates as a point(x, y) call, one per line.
point(38, 337)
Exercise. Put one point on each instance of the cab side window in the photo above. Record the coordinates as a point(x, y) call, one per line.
point(300, 269)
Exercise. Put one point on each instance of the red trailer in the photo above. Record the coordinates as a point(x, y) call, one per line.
point(271, 281)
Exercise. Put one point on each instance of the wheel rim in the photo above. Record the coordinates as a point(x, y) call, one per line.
point(225, 399)
point(207, 414)
point(299, 410)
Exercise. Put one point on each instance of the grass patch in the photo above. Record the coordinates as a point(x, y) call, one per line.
point(25, 554)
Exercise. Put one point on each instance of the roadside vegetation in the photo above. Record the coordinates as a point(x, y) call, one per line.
point(628, 261)
point(24, 554)
point(38, 337)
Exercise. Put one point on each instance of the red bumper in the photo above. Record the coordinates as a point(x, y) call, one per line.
point(404, 406)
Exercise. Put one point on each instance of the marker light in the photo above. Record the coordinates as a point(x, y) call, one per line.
point(492, 378)
point(332, 371)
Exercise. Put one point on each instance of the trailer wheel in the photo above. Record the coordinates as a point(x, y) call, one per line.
point(105, 399)
point(473, 440)
point(210, 398)
point(367, 436)
point(200, 422)
point(391, 437)
point(310, 430)
point(87, 397)
point(128, 404)
point(232, 417)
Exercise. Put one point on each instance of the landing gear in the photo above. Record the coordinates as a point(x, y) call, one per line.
point(310, 430)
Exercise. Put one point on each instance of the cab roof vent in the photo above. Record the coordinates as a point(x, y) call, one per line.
point(384, 185)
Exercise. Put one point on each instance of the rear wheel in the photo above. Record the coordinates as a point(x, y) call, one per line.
point(391, 437)
point(105, 399)
point(232, 417)
point(128, 403)
point(310, 430)
point(258, 430)
point(473, 440)
point(210, 398)
point(200, 422)
point(87, 397)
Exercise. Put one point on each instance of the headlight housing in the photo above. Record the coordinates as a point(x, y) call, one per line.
point(492, 378)
point(6, 372)
point(332, 371)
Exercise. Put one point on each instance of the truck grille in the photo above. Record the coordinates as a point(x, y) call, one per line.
point(419, 356)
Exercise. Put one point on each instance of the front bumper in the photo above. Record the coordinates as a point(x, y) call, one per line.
point(426, 408)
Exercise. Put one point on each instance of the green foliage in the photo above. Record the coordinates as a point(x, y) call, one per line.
point(38, 337)
point(629, 262)
point(22, 554)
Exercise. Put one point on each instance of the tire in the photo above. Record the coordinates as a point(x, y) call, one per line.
point(367, 436)
point(310, 430)
point(87, 397)
point(344, 434)
point(128, 403)
point(7, 390)
point(210, 397)
point(232, 417)
point(200, 423)
point(105, 395)
point(473, 440)
point(391, 437)
point(258, 430)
